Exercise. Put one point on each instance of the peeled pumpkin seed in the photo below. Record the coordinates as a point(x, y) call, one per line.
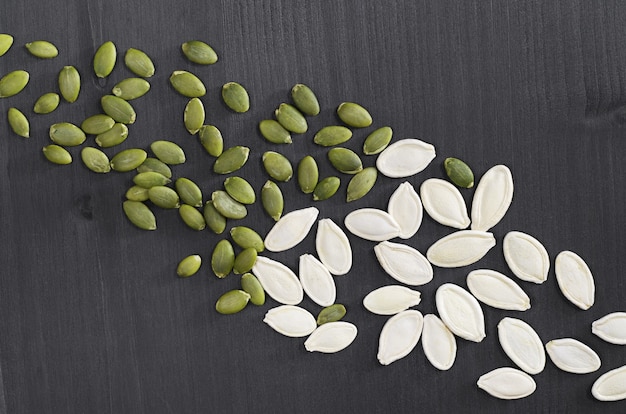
point(332, 135)
point(404, 263)
point(333, 247)
point(372, 224)
point(461, 312)
point(332, 313)
point(153, 164)
point(405, 206)
point(112, 137)
point(331, 337)
point(97, 161)
point(57, 154)
point(289, 320)
point(438, 343)
point(66, 134)
point(391, 299)
point(274, 132)
point(139, 63)
point(97, 124)
point(277, 166)
point(46, 103)
point(459, 172)
point(361, 183)
point(316, 280)
point(377, 141)
point(245, 238)
point(244, 261)
point(345, 160)
point(461, 248)
point(492, 198)
point(194, 115)
point(188, 191)
point(250, 284)
point(135, 193)
point(189, 266)
point(278, 281)
point(42, 49)
point(610, 386)
point(199, 52)
point(611, 328)
point(399, 336)
point(575, 279)
point(168, 152)
point(104, 59)
point(308, 174)
point(236, 97)
point(139, 214)
point(291, 118)
point(231, 160)
point(18, 122)
point(187, 84)
point(444, 203)
point(405, 158)
point(232, 301)
point(131, 88)
point(13, 83)
point(573, 356)
point(164, 197)
point(521, 343)
point(496, 290)
point(192, 217)
point(223, 258)
point(227, 206)
point(305, 100)
point(326, 188)
point(240, 190)
point(526, 257)
point(291, 229)
point(118, 109)
point(213, 218)
point(6, 41)
point(272, 199)
point(354, 115)
point(150, 179)
point(128, 159)
point(507, 383)
point(69, 83)
point(211, 140)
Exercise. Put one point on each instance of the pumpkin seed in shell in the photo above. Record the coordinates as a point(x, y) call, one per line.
point(66, 134)
point(118, 109)
point(274, 132)
point(156, 165)
point(291, 229)
point(189, 266)
point(405, 206)
point(332, 135)
point(492, 198)
point(189, 192)
point(391, 299)
point(69, 83)
point(227, 206)
point(240, 190)
point(231, 160)
point(164, 197)
point(42, 49)
point(18, 122)
point(193, 116)
point(131, 88)
point(104, 59)
point(405, 158)
point(507, 383)
point(199, 52)
point(305, 100)
point(278, 281)
point(399, 336)
point(57, 154)
point(291, 321)
point(316, 280)
point(46, 103)
point(354, 115)
point(250, 284)
point(97, 124)
point(139, 63)
point(192, 217)
point(377, 141)
point(236, 97)
point(223, 258)
point(13, 83)
point(114, 136)
point(128, 159)
point(232, 301)
point(139, 214)
point(291, 119)
point(272, 199)
point(97, 161)
point(326, 188)
point(444, 203)
point(187, 84)
point(610, 386)
point(333, 247)
point(168, 152)
point(213, 218)
point(308, 174)
point(211, 139)
point(372, 224)
point(331, 337)
point(438, 343)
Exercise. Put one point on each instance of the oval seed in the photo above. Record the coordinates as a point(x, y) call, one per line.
point(459, 172)
point(136, 193)
point(305, 100)
point(192, 217)
point(277, 166)
point(377, 141)
point(240, 190)
point(274, 132)
point(272, 200)
point(354, 115)
point(69, 83)
point(345, 160)
point(245, 260)
point(67, 134)
point(291, 229)
point(194, 115)
point(18, 122)
point(211, 139)
point(332, 135)
point(168, 152)
point(131, 88)
point(149, 179)
point(128, 159)
point(189, 266)
point(46, 103)
point(236, 97)
point(96, 160)
point(308, 174)
point(118, 109)
point(139, 214)
point(114, 136)
point(6, 41)
point(326, 188)
point(291, 119)
point(361, 183)
point(223, 258)
point(213, 218)
point(250, 284)
point(227, 206)
point(245, 238)
point(13, 83)
point(231, 160)
point(42, 49)
point(97, 124)
point(199, 52)
point(189, 192)
point(104, 59)
point(164, 197)
point(187, 84)
point(232, 301)
point(332, 313)
point(57, 154)
point(139, 63)
point(153, 164)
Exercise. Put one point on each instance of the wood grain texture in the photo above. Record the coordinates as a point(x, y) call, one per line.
point(92, 316)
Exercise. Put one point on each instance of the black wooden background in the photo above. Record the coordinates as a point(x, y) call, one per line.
point(93, 318)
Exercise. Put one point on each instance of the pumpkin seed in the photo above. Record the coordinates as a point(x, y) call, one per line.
point(274, 132)
point(461, 248)
point(331, 337)
point(575, 279)
point(526, 257)
point(13, 83)
point(240, 190)
point(223, 258)
point(139, 214)
point(316, 280)
point(361, 183)
point(187, 84)
point(291, 321)
point(150, 179)
point(232, 301)
point(277, 166)
point(377, 141)
point(404, 263)
point(245, 238)
point(18, 122)
point(461, 312)
point(189, 266)
point(46, 103)
point(213, 218)
point(128, 159)
point(6, 41)
point(131, 88)
point(168, 152)
point(354, 115)
point(57, 154)
point(164, 197)
point(104, 59)
point(333, 247)
point(66, 134)
point(97, 161)
point(522, 345)
point(610, 386)
point(139, 63)
point(399, 336)
point(507, 383)
point(244, 261)
point(69, 83)
point(332, 135)
point(272, 199)
point(444, 203)
point(372, 224)
point(194, 115)
point(291, 119)
point(573, 356)
point(459, 172)
point(211, 139)
point(332, 313)
point(227, 206)
point(250, 284)
point(305, 100)
point(391, 299)
point(308, 174)
point(345, 160)
point(291, 229)
point(405, 206)
point(231, 160)
point(280, 282)
point(42, 49)
point(199, 52)
point(236, 97)
point(189, 192)
point(118, 109)
point(405, 158)
point(497, 290)
point(97, 124)
point(136, 193)
point(192, 217)
point(326, 188)
point(611, 328)
point(156, 165)
point(114, 136)
point(438, 343)
point(492, 198)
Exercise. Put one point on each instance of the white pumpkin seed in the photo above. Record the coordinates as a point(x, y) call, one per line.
point(444, 203)
point(317, 281)
point(526, 257)
point(496, 290)
point(291, 321)
point(492, 198)
point(399, 336)
point(461, 312)
point(290, 229)
point(391, 299)
point(333, 247)
point(372, 224)
point(331, 337)
point(406, 208)
point(573, 356)
point(522, 344)
point(405, 158)
point(404, 263)
point(611, 386)
point(575, 279)
point(611, 328)
point(278, 281)
point(438, 343)
point(507, 383)
point(461, 248)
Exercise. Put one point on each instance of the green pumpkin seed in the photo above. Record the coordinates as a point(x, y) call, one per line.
point(189, 266)
point(250, 284)
point(168, 152)
point(308, 174)
point(46, 103)
point(240, 190)
point(139, 63)
point(332, 313)
point(227, 206)
point(192, 217)
point(97, 124)
point(377, 141)
point(245, 238)
point(128, 159)
point(189, 192)
point(18, 122)
point(305, 100)
point(114, 136)
point(354, 115)
point(213, 218)
point(236, 97)
point(326, 188)
point(69, 83)
point(13, 83)
point(274, 132)
point(131, 88)
point(332, 135)
point(231, 160)
point(277, 166)
point(187, 84)
point(96, 160)
point(232, 302)
point(6, 41)
point(140, 215)
point(223, 258)
point(67, 134)
point(199, 52)
point(57, 154)
point(291, 119)
point(153, 164)
point(459, 172)
point(164, 197)
point(345, 160)
point(118, 109)
point(361, 183)
point(104, 59)
point(150, 179)
point(211, 139)
point(42, 49)
point(244, 261)
point(194, 115)
point(272, 200)
point(137, 193)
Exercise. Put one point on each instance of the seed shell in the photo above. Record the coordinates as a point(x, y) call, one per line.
point(153, 164)
point(112, 137)
point(332, 313)
point(575, 279)
point(199, 52)
point(97, 161)
point(139, 214)
point(188, 191)
point(57, 154)
point(236, 97)
point(290, 229)
point(6, 41)
point(354, 115)
point(404, 263)
point(131, 88)
point(245, 260)
point(571, 355)
point(331, 337)
point(245, 238)
point(18, 122)
point(507, 383)
point(405, 158)
point(192, 217)
point(399, 336)
point(139, 63)
point(42, 49)
point(316, 280)
point(274, 132)
point(326, 188)
point(194, 115)
point(232, 302)
point(251, 284)
point(461, 248)
point(272, 200)
point(438, 343)
point(240, 190)
point(13, 83)
point(291, 118)
point(278, 281)
point(292, 321)
point(189, 266)
point(361, 184)
point(104, 59)
point(277, 166)
point(526, 257)
point(223, 258)
point(168, 152)
point(213, 218)
point(332, 135)
point(496, 290)
point(405, 206)
point(305, 100)
point(444, 203)
point(118, 109)
point(66, 134)
point(333, 247)
point(69, 83)
point(128, 159)
point(391, 299)
point(377, 141)
point(46, 103)
point(97, 124)
point(610, 386)
point(345, 160)
point(227, 206)
point(461, 312)
point(611, 328)
point(521, 343)
point(372, 224)
point(164, 197)
point(211, 139)
point(492, 198)
point(231, 160)
point(459, 172)
point(187, 84)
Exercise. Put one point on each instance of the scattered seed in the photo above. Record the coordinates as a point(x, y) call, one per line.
point(391, 299)
point(194, 115)
point(492, 198)
point(189, 266)
point(240, 190)
point(405, 206)
point(377, 141)
point(272, 199)
point(18, 122)
point(399, 336)
point(57, 154)
point(211, 139)
point(361, 184)
point(316, 280)
point(438, 343)
point(250, 284)
point(345, 160)
point(332, 313)
point(459, 172)
point(223, 258)
point(291, 229)
point(308, 174)
point(405, 158)
point(69, 83)
point(149, 179)
point(187, 84)
point(192, 217)
point(305, 100)
point(245, 238)
point(227, 206)
point(139, 214)
point(97, 161)
point(277, 166)
point(112, 137)
point(372, 224)
point(332, 135)
point(461, 248)
point(278, 281)
point(131, 88)
point(526, 257)
point(128, 159)
point(571, 355)
point(189, 192)
point(291, 119)
point(611, 328)
point(213, 218)
point(42, 49)
point(244, 261)
point(404, 263)
point(507, 383)
point(46, 103)
point(118, 109)
point(521, 343)
point(6, 41)
point(333, 247)
point(104, 59)
point(575, 279)
point(199, 52)
point(496, 290)
point(139, 63)
point(156, 165)
point(67, 134)
point(168, 152)
point(13, 83)
point(331, 337)
point(444, 203)
point(231, 160)
point(274, 132)
point(236, 97)
point(354, 115)
point(97, 124)
point(326, 188)
point(461, 312)
point(136, 193)
point(164, 197)
point(610, 386)
point(232, 301)
point(291, 321)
